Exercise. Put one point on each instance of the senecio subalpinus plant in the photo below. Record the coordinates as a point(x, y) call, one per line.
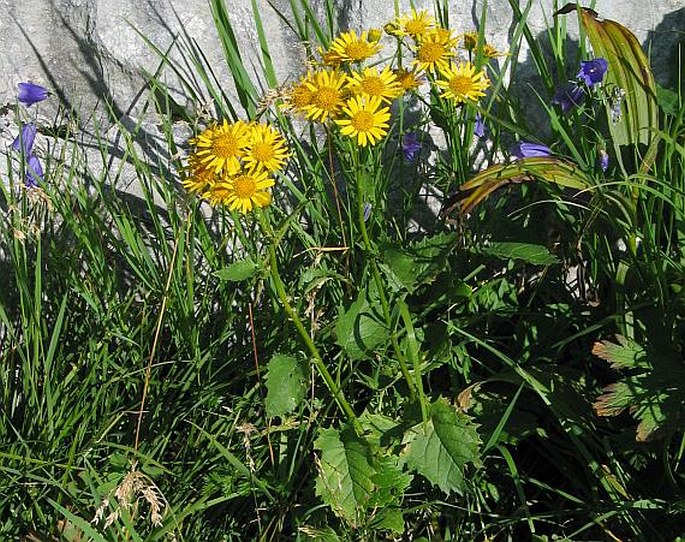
point(355, 99)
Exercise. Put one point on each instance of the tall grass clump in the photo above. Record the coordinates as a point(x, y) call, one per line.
point(378, 301)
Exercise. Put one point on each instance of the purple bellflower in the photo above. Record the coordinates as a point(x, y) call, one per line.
point(410, 146)
point(603, 160)
point(34, 172)
point(24, 141)
point(525, 149)
point(30, 93)
point(569, 96)
point(479, 127)
point(592, 71)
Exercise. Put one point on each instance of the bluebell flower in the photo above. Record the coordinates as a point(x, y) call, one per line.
point(24, 141)
point(479, 127)
point(592, 71)
point(569, 96)
point(30, 93)
point(525, 149)
point(603, 160)
point(410, 146)
point(34, 172)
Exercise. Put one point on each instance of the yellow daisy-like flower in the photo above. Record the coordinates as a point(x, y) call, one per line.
point(408, 79)
point(197, 178)
point(328, 95)
point(222, 147)
point(469, 40)
point(415, 25)
point(330, 58)
point(371, 82)
point(243, 191)
point(462, 83)
point(365, 119)
point(267, 149)
point(353, 48)
point(490, 51)
point(434, 50)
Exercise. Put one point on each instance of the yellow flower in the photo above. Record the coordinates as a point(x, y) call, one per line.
point(434, 50)
point(370, 82)
point(222, 147)
point(328, 95)
point(462, 83)
point(330, 58)
point(491, 52)
point(365, 119)
point(352, 48)
point(408, 79)
point(197, 178)
point(242, 191)
point(470, 40)
point(267, 149)
point(415, 25)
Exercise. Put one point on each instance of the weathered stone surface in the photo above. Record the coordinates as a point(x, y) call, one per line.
point(91, 52)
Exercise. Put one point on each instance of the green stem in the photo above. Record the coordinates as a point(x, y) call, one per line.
point(305, 336)
point(379, 283)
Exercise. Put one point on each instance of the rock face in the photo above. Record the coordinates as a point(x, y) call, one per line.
point(93, 50)
point(96, 55)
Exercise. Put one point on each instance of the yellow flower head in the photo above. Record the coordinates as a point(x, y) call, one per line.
point(328, 95)
point(491, 52)
point(350, 47)
point(197, 178)
point(469, 40)
point(409, 80)
point(365, 119)
point(415, 25)
point(435, 50)
point(222, 147)
point(371, 82)
point(267, 149)
point(462, 83)
point(243, 191)
point(330, 58)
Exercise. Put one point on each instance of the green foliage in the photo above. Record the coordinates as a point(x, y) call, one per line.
point(286, 385)
point(441, 448)
point(360, 329)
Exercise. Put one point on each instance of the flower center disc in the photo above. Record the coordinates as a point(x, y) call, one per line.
point(245, 187)
point(326, 98)
point(263, 152)
point(430, 52)
point(373, 86)
point(460, 84)
point(415, 28)
point(225, 146)
point(362, 121)
point(358, 51)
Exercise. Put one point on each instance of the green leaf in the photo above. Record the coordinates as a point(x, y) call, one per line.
point(389, 519)
point(411, 265)
point(360, 329)
point(345, 470)
point(442, 448)
point(546, 169)
point(528, 253)
point(285, 385)
point(319, 534)
point(237, 271)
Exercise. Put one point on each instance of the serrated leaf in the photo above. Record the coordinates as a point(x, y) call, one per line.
point(441, 449)
point(237, 271)
point(389, 519)
point(624, 355)
point(525, 252)
point(545, 169)
point(345, 471)
point(410, 265)
point(359, 330)
point(285, 385)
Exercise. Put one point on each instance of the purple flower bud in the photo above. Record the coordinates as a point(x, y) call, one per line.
point(34, 172)
point(24, 141)
point(30, 93)
point(603, 160)
point(568, 97)
point(592, 71)
point(479, 127)
point(524, 149)
point(410, 146)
